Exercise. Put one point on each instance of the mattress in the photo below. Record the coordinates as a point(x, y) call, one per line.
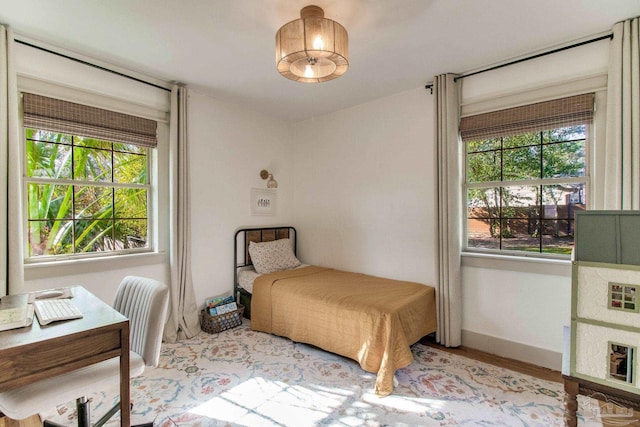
point(248, 276)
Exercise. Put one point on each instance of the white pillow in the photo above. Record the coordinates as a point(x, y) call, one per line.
point(276, 255)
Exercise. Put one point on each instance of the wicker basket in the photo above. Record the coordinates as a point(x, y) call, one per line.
point(221, 322)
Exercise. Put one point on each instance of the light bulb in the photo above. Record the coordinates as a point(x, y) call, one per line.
point(272, 183)
point(318, 44)
point(308, 71)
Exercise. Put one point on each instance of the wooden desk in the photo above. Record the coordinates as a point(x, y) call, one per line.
point(574, 386)
point(38, 352)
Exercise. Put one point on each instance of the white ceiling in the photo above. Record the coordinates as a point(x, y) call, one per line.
point(225, 48)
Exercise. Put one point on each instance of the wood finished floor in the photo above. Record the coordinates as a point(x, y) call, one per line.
point(514, 365)
point(503, 362)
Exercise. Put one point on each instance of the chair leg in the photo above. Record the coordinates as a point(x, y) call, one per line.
point(82, 406)
point(84, 420)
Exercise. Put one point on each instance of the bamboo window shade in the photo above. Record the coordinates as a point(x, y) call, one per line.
point(563, 112)
point(41, 112)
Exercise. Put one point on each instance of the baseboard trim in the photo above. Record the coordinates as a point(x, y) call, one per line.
point(512, 350)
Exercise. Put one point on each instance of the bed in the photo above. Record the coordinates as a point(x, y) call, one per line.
point(371, 320)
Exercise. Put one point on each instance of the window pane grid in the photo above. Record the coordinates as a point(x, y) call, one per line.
point(538, 226)
point(85, 210)
point(523, 190)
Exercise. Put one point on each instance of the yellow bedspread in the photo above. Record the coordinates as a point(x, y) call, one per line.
point(365, 318)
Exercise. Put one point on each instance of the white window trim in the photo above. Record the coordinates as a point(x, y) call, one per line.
point(68, 267)
point(71, 94)
point(563, 89)
point(88, 255)
point(517, 262)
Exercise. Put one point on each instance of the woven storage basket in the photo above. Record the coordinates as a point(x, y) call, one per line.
point(221, 322)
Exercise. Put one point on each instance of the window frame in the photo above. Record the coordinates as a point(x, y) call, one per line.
point(594, 165)
point(158, 196)
point(590, 167)
point(150, 170)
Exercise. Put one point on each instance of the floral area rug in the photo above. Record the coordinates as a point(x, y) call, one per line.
point(245, 378)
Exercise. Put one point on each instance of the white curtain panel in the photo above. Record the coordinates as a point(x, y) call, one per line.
point(4, 147)
point(449, 223)
point(182, 321)
point(11, 255)
point(622, 153)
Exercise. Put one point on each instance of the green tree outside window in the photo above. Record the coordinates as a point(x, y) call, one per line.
point(84, 195)
point(523, 190)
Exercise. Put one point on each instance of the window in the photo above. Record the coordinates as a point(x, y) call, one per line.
point(526, 175)
point(87, 184)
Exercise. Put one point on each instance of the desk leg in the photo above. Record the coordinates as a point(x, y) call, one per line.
point(125, 396)
point(571, 389)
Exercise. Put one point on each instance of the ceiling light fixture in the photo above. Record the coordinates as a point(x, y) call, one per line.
point(312, 49)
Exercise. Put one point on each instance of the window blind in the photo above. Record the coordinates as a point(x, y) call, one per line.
point(41, 112)
point(563, 112)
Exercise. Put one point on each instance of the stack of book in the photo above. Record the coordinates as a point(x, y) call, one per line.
point(220, 304)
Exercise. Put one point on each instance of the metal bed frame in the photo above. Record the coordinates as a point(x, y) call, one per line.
point(243, 259)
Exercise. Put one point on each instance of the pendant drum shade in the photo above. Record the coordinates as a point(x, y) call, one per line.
point(312, 49)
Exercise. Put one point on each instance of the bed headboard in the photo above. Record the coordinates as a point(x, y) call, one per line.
point(244, 236)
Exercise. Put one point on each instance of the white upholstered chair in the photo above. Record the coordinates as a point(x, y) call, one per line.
point(144, 302)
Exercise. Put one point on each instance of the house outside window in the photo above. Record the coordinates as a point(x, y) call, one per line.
point(86, 180)
point(526, 176)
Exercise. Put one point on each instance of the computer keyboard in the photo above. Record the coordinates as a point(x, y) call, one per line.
point(52, 310)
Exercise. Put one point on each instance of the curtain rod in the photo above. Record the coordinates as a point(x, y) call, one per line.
point(90, 64)
point(527, 58)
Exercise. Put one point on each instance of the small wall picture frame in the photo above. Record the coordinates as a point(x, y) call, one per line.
point(263, 201)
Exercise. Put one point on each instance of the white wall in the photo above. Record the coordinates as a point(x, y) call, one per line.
point(229, 146)
point(364, 188)
point(516, 309)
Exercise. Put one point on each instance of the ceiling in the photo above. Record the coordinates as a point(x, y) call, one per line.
point(225, 48)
